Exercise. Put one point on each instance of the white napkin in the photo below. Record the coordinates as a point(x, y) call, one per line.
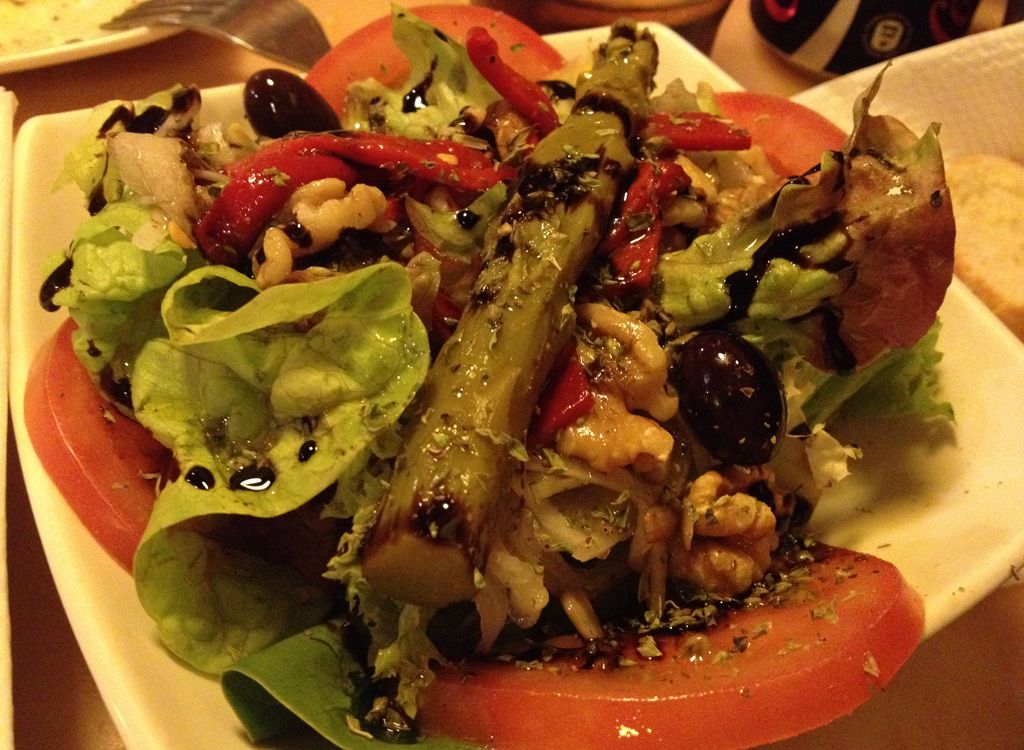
point(973, 86)
point(7, 105)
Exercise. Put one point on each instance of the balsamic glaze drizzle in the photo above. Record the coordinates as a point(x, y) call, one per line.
point(784, 244)
point(200, 477)
point(306, 451)
point(59, 278)
point(253, 478)
point(416, 97)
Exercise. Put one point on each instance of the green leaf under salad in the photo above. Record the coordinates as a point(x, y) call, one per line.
point(122, 263)
point(266, 399)
point(314, 676)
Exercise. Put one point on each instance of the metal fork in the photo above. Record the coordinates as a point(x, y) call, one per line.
point(283, 30)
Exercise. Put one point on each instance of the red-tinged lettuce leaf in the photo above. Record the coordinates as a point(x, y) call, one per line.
point(899, 218)
point(858, 258)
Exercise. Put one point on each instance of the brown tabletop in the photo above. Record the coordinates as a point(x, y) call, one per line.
point(964, 688)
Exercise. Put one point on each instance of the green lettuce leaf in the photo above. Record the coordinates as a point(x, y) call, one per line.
point(905, 383)
point(243, 382)
point(694, 283)
point(313, 677)
point(901, 382)
point(86, 164)
point(440, 68)
point(123, 261)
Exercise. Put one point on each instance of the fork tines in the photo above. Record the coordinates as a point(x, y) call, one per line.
point(163, 10)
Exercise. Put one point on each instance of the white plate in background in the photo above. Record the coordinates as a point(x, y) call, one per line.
point(936, 506)
point(37, 33)
point(973, 86)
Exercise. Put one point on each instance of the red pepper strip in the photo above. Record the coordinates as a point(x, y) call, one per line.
point(654, 182)
point(633, 243)
point(566, 398)
point(395, 210)
point(260, 185)
point(638, 200)
point(441, 161)
point(526, 96)
point(697, 131)
point(672, 178)
point(633, 263)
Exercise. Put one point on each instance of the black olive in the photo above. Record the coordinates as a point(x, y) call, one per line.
point(278, 102)
point(731, 397)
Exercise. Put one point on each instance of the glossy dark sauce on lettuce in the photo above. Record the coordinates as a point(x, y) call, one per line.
point(59, 278)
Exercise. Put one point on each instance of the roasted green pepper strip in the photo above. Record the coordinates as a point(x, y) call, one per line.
point(451, 485)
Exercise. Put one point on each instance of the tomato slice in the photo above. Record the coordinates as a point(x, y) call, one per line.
point(370, 52)
point(765, 674)
point(101, 461)
point(792, 135)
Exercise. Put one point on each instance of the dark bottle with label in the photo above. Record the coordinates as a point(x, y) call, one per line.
point(837, 36)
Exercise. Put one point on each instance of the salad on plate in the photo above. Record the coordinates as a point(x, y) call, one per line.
point(484, 400)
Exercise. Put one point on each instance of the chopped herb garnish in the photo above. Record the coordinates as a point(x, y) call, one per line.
point(870, 664)
point(278, 177)
point(826, 611)
point(648, 647)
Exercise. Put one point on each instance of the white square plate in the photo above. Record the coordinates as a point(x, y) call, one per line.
point(7, 107)
point(939, 508)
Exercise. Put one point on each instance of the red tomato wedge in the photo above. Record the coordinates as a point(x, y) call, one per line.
point(766, 674)
point(370, 52)
point(98, 458)
point(792, 135)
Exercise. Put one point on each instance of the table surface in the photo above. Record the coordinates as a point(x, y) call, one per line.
point(963, 688)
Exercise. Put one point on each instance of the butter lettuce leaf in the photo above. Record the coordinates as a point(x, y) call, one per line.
point(441, 72)
point(698, 283)
point(266, 398)
point(123, 261)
